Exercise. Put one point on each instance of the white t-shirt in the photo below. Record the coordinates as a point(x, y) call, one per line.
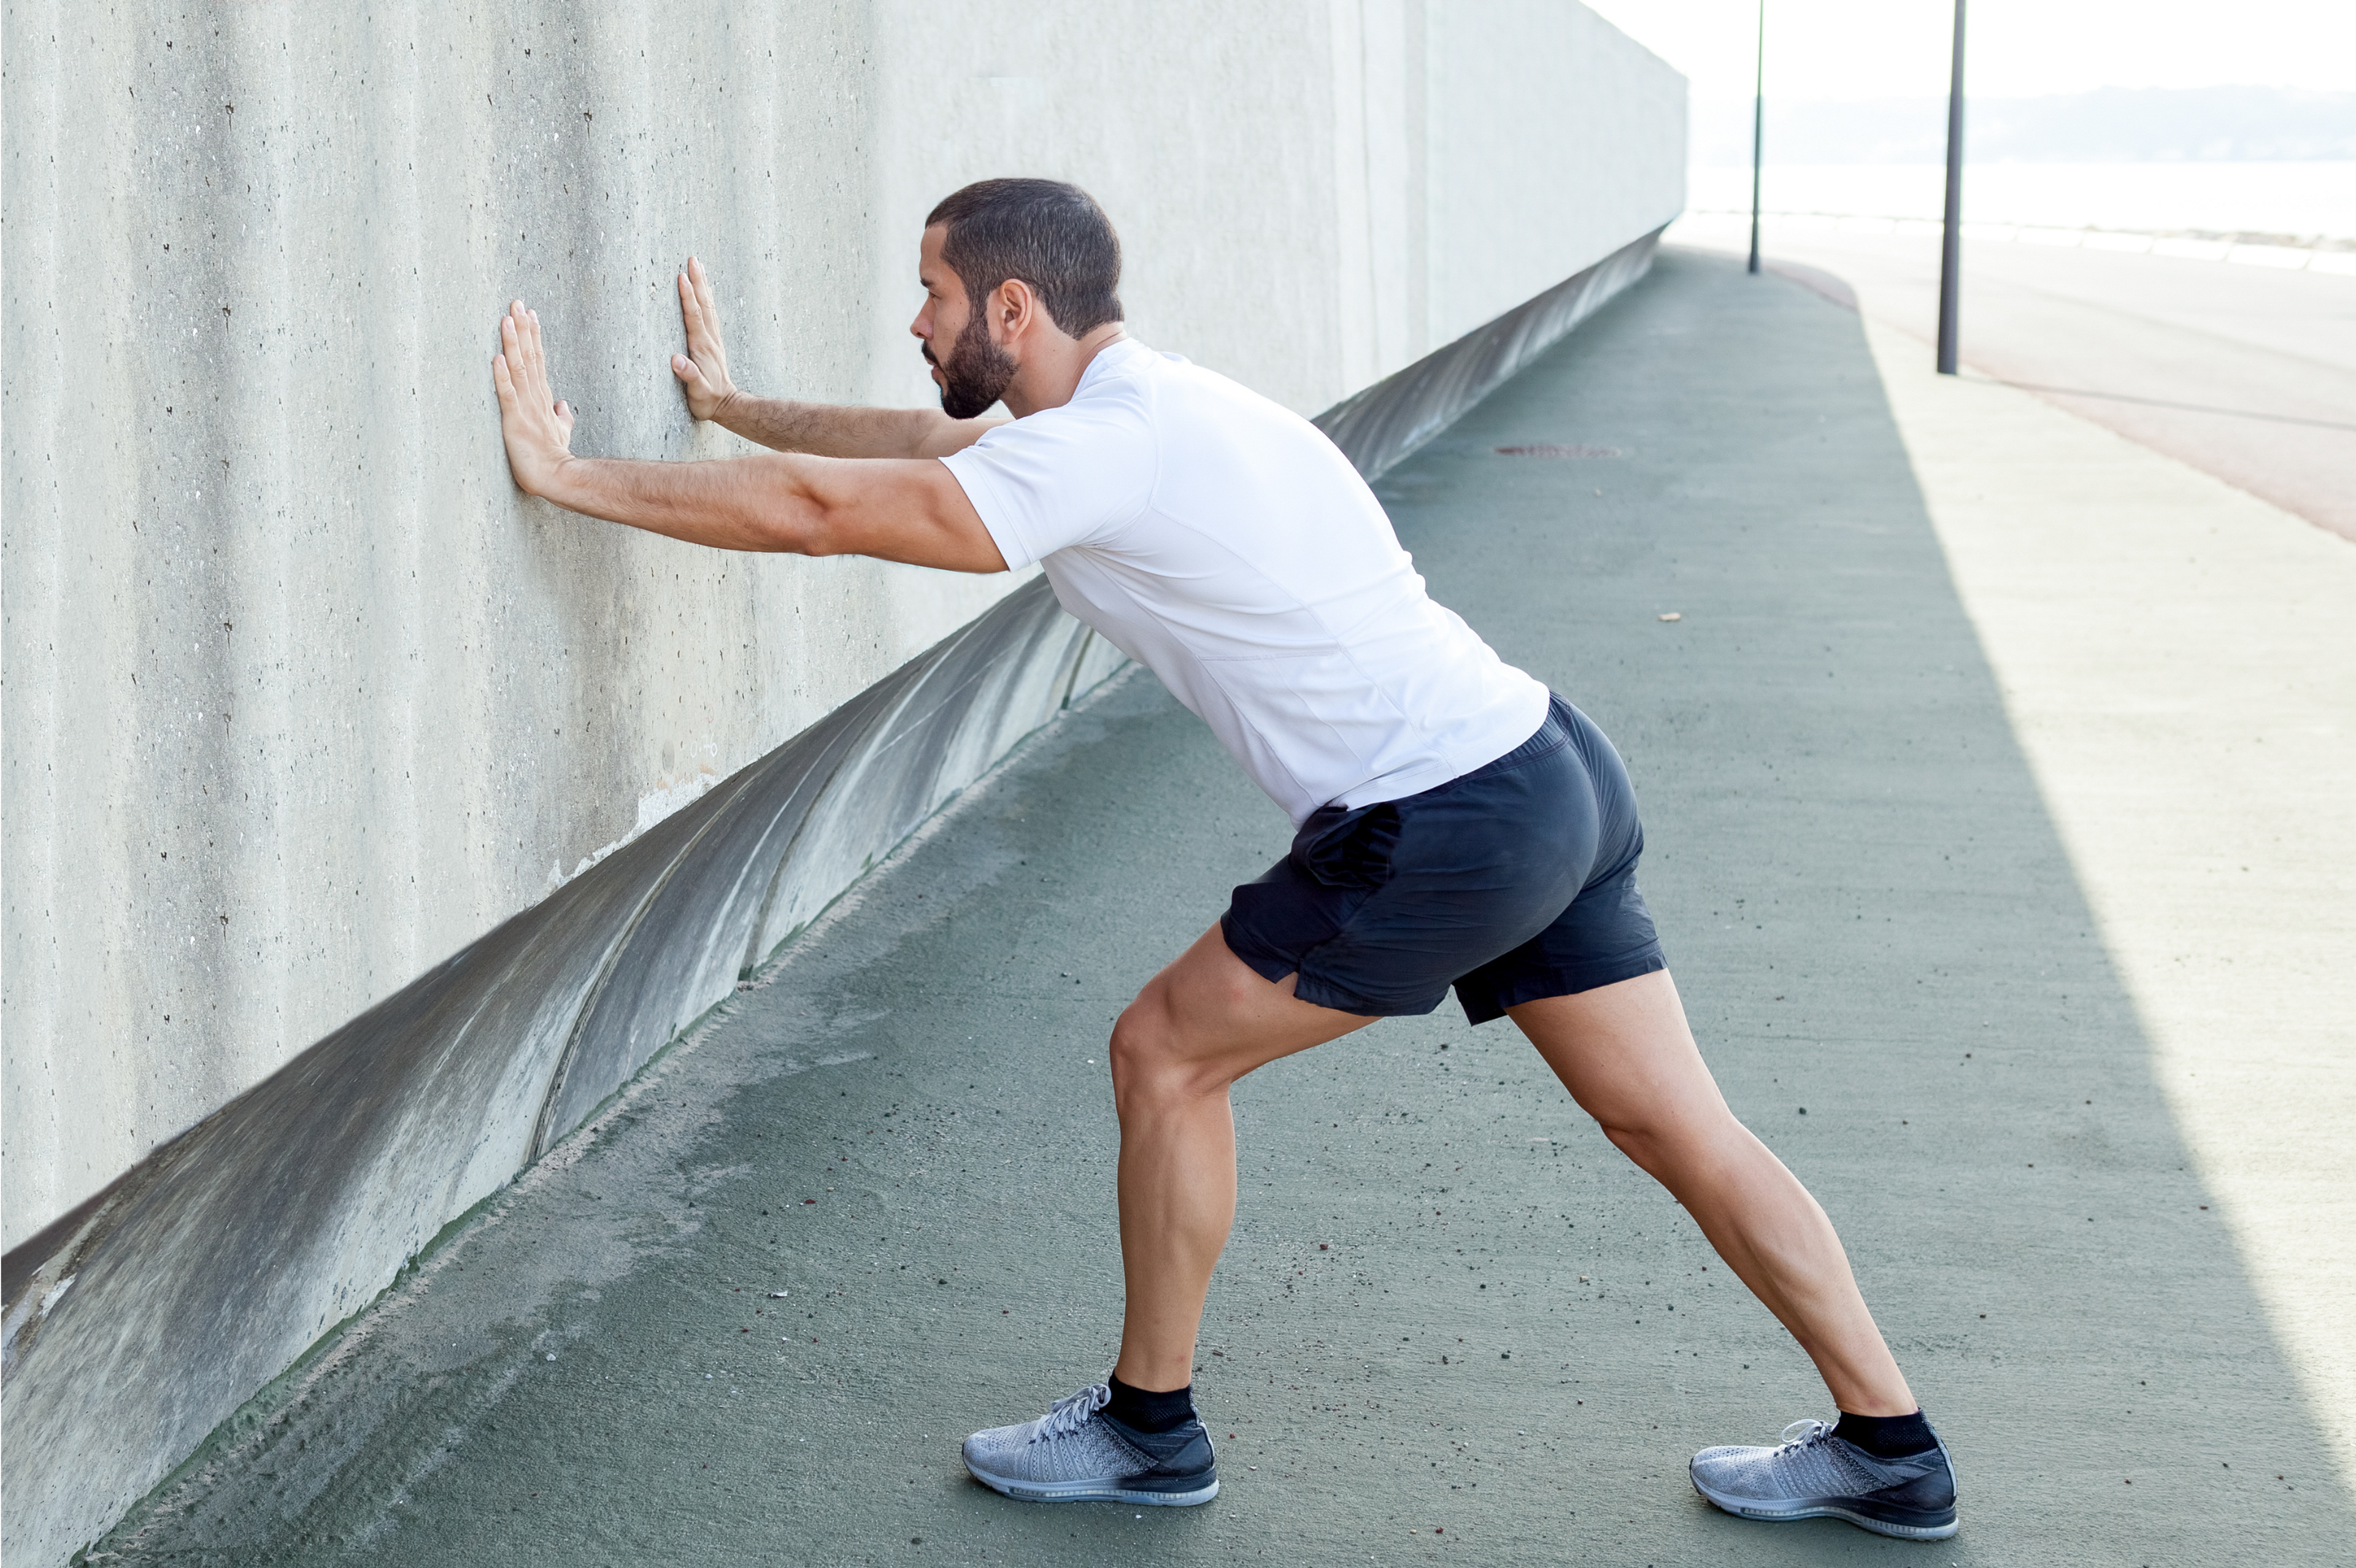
point(1221, 540)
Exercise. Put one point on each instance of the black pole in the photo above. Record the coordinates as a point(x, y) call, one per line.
point(1758, 132)
point(1950, 248)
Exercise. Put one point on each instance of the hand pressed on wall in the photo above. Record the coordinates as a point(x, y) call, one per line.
point(702, 370)
point(538, 427)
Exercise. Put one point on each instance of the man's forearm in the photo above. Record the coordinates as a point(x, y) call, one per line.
point(758, 502)
point(912, 511)
point(827, 429)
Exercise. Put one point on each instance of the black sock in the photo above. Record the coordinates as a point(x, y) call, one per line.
point(1143, 1411)
point(1885, 1436)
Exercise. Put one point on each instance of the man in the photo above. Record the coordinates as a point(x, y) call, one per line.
point(1458, 824)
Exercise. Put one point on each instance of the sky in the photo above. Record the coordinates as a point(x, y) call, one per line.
point(1846, 50)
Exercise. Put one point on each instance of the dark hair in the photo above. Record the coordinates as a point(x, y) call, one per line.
point(1051, 235)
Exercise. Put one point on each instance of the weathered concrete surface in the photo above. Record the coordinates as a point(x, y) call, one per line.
point(1869, 911)
point(301, 696)
point(136, 1328)
point(1311, 195)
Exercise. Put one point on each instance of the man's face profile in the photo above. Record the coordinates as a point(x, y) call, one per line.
point(975, 371)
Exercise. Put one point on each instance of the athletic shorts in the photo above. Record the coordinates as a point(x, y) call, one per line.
point(1512, 882)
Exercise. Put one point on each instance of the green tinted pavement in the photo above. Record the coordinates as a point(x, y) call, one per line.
point(1453, 1323)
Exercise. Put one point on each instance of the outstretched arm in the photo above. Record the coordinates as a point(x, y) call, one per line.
point(824, 429)
point(911, 510)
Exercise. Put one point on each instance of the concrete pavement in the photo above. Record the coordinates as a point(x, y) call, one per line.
point(2174, 658)
point(1452, 1321)
point(2244, 372)
point(2174, 654)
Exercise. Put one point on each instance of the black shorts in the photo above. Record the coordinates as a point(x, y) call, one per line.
point(1512, 882)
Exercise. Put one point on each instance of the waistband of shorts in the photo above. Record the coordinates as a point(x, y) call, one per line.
point(1551, 736)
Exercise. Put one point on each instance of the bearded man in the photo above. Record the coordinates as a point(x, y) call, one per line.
point(1459, 825)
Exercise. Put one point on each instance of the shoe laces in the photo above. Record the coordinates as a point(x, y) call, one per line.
point(1068, 1415)
point(1804, 1435)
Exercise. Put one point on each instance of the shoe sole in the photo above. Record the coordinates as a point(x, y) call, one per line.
point(1088, 1491)
point(1826, 1507)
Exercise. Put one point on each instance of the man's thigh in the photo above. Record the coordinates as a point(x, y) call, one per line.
point(1627, 1055)
point(1210, 1016)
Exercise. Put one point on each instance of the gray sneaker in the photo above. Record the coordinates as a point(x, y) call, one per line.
point(1815, 1474)
point(1075, 1453)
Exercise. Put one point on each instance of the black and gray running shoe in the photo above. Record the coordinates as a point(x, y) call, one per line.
point(1814, 1474)
point(1075, 1453)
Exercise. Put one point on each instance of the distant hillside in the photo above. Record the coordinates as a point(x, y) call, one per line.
point(2112, 125)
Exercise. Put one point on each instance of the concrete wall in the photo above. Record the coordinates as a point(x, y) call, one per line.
point(301, 698)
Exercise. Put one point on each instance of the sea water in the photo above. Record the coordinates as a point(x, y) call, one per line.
point(2305, 200)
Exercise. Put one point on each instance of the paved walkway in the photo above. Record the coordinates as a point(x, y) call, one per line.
point(1453, 1323)
point(2244, 372)
point(2176, 660)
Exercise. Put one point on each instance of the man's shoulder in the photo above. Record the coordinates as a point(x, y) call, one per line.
point(1170, 389)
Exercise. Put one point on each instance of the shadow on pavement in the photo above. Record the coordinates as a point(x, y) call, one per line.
point(1452, 1322)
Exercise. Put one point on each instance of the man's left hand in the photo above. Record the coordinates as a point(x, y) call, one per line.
point(538, 428)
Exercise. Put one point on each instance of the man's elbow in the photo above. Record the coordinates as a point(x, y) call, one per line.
point(804, 529)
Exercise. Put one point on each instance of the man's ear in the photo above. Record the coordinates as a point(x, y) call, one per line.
point(1015, 309)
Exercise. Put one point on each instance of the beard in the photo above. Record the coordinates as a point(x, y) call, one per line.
point(976, 373)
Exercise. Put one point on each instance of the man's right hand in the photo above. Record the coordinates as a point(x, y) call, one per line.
point(702, 370)
point(818, 429)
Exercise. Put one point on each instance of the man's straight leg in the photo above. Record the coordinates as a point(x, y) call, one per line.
point(1627, 1056)
point(1198, 1026)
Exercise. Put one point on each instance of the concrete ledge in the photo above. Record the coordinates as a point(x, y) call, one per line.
point(140, 1322)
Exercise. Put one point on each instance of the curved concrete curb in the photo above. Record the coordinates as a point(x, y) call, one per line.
point(138, 1324)
point(140, 1321)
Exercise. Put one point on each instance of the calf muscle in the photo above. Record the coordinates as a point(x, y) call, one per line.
point(1627, 1056)
point(1198, 1026)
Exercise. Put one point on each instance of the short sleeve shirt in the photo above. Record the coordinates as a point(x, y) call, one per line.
point(1220, 538)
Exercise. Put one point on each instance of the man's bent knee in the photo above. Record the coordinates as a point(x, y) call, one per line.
point(1150, 1061)
point(1169, 1044)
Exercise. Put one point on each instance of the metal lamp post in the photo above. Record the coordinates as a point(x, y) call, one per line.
point(1759, 130)
point(1951, 246)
